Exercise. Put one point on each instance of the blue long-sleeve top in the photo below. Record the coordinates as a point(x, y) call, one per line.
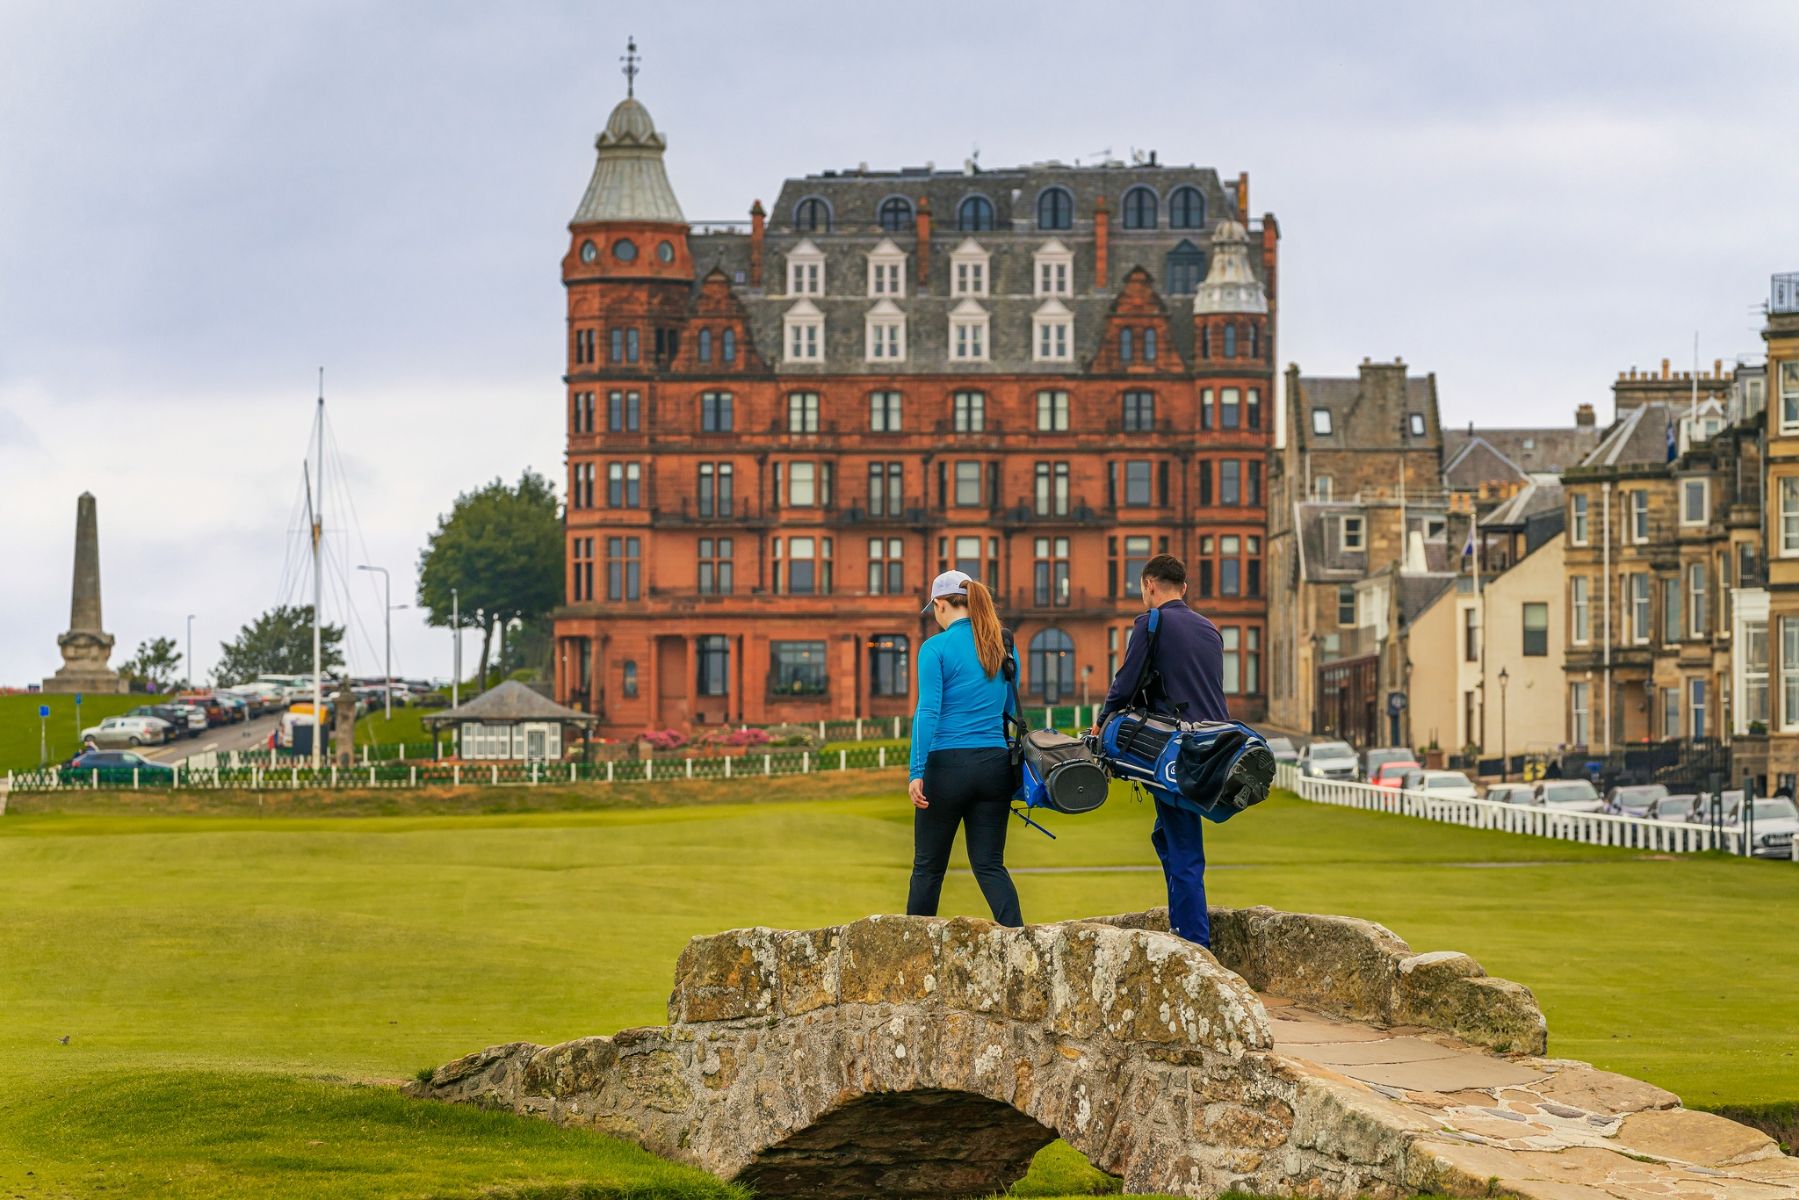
point(959, 706)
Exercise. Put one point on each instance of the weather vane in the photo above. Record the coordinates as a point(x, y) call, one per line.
point(630, 59)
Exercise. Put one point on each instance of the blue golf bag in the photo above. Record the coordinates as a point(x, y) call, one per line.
point(1214, 768)
point(1051, 769)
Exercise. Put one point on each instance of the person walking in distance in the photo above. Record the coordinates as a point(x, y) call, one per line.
point(1184, 680)
point(961, 764)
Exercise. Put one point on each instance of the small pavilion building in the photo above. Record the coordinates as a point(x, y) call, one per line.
point(510, 722)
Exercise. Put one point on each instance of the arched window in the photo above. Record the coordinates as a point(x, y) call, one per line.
point(974, 215)
point(896, 214)
point(705, 348)
point(1124, 344)
point(1055, 209)
point(1205, 341)
point(812, 214)
point(1184, 269)
point(1186, 209)
point(1230, 340)
point(1139, 209)
point(1255, 349)
point(730, 345)
point(1052, 665)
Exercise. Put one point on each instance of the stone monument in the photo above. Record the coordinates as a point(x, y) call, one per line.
point(86, 646)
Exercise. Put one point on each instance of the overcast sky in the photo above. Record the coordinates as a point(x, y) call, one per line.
point(201, 203)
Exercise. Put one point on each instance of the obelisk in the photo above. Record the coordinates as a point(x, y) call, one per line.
point(86, 646)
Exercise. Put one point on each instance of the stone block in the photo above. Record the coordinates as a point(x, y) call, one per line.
point(571, 1068)
point(972, 958)
point(1449, 991)
point(1704, 1139)
point(1341, 965)
point(810, 967)
point(889, 960)
point(726, 977)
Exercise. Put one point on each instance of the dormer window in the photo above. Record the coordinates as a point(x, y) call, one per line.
point(968, 327)
point(1053, 267)
point(1139, 209)
point(803, 329)
point(974, 214)
point(886, 270)
point(1052, 332)
point(886, 332)
point(811, 215)
point(896, 214)
point(968, 269)
point(806, 270)
point(1321, 422)
point(1055, 209)
point(1415, 423)
point(1352, 533)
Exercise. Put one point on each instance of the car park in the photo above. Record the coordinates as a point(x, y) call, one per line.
point(195, 716)
point(1511, 793)
point(206, 702)
point(1373, 760)
point(1772, 825)
point(1388, 774)
point(1569, 795)
point(1448, 785)
point(167, 714)
point(1635, 800)
point(127, 731)
point(114, 766)
point(236, 709)
point(1328, 760)
point(1282, 748)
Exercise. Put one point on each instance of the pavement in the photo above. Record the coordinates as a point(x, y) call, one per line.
point(251, 735)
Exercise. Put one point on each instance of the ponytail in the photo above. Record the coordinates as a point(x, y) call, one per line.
point(989, 641)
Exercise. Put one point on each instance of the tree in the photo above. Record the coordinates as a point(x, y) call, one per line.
point(500, 548)
point(279, 642)
point(154, 663)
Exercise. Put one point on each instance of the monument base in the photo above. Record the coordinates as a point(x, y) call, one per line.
point(98, 683)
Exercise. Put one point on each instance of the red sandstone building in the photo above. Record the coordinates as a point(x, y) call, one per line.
point(779, 432)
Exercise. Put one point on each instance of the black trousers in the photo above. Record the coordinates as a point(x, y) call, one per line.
point(971, 789)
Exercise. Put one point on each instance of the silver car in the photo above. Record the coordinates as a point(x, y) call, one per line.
point(127, 731)
point(1569, 795)
point(1328, 760)
point(1772, 824)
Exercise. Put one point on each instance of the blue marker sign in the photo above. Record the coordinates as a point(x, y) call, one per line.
point(43, 710)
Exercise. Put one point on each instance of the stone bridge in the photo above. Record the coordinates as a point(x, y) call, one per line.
point(1313, 1056)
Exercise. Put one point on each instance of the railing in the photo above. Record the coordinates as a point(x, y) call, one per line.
point(1535, 820)
point(912, 512)
point(701, 228)
point(987, 428)
point(1783, 294)
point(1026, 510)
point(819, 428)
point(736, 511)
point(1030, 599)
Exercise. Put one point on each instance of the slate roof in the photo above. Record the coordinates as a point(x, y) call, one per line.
point(1638, 438)
point(629, 182)
point(1363, 426)
point(1321, 546)
point(1476, 456)
point(1542, 494)
point(1419, 592)
point(511, 702)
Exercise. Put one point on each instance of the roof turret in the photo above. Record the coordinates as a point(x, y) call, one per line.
point(1231, 285)
point(629, 181)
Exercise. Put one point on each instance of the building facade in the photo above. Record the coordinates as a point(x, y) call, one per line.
point(778, 432)
point(1769, 618)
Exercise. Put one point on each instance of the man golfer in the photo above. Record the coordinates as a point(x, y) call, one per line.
point(1184, 681)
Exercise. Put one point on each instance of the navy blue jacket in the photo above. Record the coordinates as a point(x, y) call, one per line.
point(1189, 660)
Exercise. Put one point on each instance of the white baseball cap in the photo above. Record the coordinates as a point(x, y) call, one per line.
point(950, 583)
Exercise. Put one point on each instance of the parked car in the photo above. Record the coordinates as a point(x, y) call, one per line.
point(1772, 824)
point(127, 731)
point(115, 766)
point(1675, 808)
point(255, 703)
point(1450, 785)
point(1389, 773)
point(1372, 760)
point(194, 715)
point(1730, 803)
point(236, 708)
point(1636, 800)
point(206, 702)
point(1282, 748)
point(1569, 795)
point(1511, 793)
point(176, 721)
point(1328, 760)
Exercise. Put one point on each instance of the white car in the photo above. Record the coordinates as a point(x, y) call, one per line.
point(195, 717)
point(127, 731)
point(1772, 824)
point(1329, 760)
point(1450, 785)
point(1569, 795)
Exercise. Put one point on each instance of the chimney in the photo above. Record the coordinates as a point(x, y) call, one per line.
point(924, 242)
point(1664, 368)
point(1102, 232)
point(1415, 562)
point(758, 226)
point(1717, 368)
point(1243, 196)
point(1583, 417)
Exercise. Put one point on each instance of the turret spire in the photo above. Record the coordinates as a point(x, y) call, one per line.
point(630, 59)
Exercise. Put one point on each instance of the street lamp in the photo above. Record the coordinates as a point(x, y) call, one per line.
point(387, 620)
point(190, 651)
point(456, 658)
point(1504, 759)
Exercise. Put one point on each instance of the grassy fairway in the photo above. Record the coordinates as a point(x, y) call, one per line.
point(19, 725)
point(407, 726)
point(275, 952)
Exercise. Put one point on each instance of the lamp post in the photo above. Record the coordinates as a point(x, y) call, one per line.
point(190, 651)
point(1504, 759)
point(387, 621)
point(456, 655)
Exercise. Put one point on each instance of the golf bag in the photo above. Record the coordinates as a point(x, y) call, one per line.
point(1214, 768)
point(1051, 769)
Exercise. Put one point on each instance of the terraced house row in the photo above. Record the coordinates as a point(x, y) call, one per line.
point(780, 430)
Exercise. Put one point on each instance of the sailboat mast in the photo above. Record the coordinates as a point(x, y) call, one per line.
point(318, 578)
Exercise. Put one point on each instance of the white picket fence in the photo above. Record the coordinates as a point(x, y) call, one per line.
point(1593, 829)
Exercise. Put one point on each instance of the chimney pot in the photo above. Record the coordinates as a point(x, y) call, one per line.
point(1584, 417)
point(1664, 368)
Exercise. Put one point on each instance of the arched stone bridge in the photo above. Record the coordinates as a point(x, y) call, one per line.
point(922, 1057)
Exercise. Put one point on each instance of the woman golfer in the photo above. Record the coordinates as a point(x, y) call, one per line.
point(961, 768)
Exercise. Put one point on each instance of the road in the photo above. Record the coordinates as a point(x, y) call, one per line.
point(250, 735)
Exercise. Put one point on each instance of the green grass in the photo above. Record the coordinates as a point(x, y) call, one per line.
point(407, 726)
point(271, 953)
point(19, 724)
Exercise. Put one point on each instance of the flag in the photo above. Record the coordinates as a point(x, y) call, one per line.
point(1670, 441)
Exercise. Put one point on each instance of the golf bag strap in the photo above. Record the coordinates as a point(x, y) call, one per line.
point(1147, 672)
point(1014, 716)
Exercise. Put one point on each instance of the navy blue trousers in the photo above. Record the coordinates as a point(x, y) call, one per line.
point(1180, 842)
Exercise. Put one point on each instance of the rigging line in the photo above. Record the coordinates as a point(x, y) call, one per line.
point(338, 562)
point(290, 566)
point(379, 592)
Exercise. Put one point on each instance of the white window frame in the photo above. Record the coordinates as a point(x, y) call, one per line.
point(1321, 422)
point(1639, 517)
point(1580, 714)
point(1704, 486)
point(1789, 674)
point(969, 272)
point(884, 333)
point(1580, 602)
point(887, 271)
point(1056, 411)
point(1052, 270)
point(1321, 487)
point(803, 333)
point(1642, 614)
point(1696, 708)
point(806, 270)
point(970, 332)
point(1788, 492)
point(1789, 396)
point(1579, 521)
point(1671, 712)
point(1360, 541)
point(1696, 614)
point(1052, 333)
